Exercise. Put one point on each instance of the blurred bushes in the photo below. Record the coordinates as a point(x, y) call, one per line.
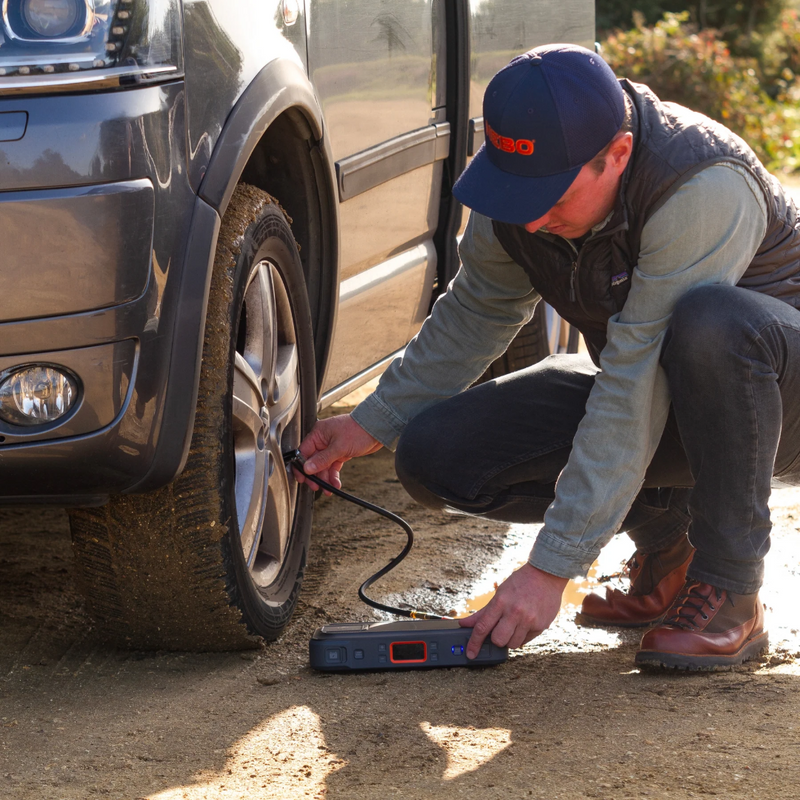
point(738, 16)
point(748, 81)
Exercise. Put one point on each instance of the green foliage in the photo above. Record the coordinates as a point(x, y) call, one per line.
point(729, 17)
point(754, 96)
point(619, 13)
point(777, 51)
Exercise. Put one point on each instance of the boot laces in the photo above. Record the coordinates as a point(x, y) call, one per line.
point(640, 571)
point(631, 565)
point(690, 604)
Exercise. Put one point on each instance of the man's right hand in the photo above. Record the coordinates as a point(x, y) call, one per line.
point(333, 441)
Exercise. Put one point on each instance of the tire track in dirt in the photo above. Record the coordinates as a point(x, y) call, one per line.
point(564, 720)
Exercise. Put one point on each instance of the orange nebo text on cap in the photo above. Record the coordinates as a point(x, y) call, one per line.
point(522, 146)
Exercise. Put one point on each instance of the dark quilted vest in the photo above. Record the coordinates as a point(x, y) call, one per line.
point(671, 144)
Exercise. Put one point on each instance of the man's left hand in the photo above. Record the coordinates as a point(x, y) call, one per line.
point(523, 606)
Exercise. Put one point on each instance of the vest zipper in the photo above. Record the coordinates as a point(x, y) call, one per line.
point(572, 296)
point(574, 288)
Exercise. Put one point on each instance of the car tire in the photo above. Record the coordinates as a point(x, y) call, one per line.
point(546, 334)
point(215, 560)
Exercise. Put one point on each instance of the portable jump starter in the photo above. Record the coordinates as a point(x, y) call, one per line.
point(404, 644)
point(424, 640)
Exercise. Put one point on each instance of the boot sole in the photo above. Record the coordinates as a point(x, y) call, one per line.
point(596, 622)
point(751, 650)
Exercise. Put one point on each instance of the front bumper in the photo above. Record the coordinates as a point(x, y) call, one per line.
point(104, 270)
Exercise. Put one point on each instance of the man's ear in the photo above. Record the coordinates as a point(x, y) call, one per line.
point(620, 152)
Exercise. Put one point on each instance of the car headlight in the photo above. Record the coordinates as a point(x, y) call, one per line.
point(47, 19)
point(133, 39)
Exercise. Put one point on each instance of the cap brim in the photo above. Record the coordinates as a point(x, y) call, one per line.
point(505, 197)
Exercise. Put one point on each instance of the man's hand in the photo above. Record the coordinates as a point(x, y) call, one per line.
point(523, 606)
point(331, 442)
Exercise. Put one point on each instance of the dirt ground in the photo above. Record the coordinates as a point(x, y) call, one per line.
point(566, 717)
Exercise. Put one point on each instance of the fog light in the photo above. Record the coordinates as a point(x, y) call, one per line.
point(37, 394)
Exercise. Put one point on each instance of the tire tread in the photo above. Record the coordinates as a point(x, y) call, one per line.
point(155, 568)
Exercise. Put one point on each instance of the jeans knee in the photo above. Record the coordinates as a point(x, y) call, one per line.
point(409, 457)
point(413, 461)
point(707, 325)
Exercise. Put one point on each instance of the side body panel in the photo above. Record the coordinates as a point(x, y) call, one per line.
point(374, 68)
point(379, 73)
point(253, 115)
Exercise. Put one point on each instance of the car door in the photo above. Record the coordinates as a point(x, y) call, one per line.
point(373, 64)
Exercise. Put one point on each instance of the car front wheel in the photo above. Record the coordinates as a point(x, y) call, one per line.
point(215, 560)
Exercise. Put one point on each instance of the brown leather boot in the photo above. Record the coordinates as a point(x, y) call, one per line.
point(655, 579)
point(706, 629)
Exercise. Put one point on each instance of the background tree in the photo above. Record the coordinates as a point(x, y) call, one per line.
point(732, 19)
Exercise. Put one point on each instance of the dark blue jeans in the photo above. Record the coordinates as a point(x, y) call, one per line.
point(732, 359)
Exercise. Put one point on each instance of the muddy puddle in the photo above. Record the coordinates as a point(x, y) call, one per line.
point(781, 586)
point(564, 634)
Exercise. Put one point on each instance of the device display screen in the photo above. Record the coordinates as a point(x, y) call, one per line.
point(408, 651)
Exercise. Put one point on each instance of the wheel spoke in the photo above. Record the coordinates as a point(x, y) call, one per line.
point(261, 336)
point(284, 404)
point(246, 385)
point(279, 511)
point(251, 456)
point(284, 396)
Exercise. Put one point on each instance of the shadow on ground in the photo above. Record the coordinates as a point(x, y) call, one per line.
point(81, 720)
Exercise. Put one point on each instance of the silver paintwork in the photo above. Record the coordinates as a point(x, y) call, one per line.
point(384, 307)
point(227, 44)
point(108, 263)
point(371, 62)
point(373, 66)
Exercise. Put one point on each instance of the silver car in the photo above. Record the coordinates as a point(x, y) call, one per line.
point(217, 218)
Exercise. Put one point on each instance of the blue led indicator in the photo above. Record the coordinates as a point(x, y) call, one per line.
point(457, 649)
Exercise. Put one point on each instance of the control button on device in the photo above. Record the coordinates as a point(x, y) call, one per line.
point(381, 648)
point(359, 654)
point(485, 651)
point(457, 649)
point(433, 646)
point(433, 657)
point(382, 660)
point(334, 655)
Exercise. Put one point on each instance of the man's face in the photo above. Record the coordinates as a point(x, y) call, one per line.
point(589, 200)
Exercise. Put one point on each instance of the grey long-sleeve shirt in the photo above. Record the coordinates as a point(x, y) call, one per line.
point(708, 232)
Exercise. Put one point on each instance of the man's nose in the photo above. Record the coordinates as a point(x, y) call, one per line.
point(534, 226)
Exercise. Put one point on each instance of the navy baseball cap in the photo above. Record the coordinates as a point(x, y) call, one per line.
point(545, 114)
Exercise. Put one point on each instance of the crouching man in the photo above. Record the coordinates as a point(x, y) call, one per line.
point(659, 235)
